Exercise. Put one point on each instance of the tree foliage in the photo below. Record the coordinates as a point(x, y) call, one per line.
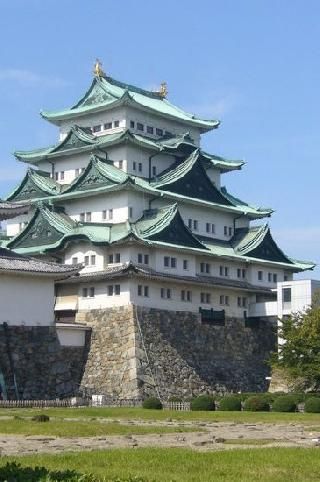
point(299, 347)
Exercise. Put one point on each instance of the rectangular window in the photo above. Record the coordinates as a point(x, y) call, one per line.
point(140, 258)
point(195, 225)
point(88, 217)
point(107, 126)
point(221, 270)
point(91, 292)
point(150, 130)
point(116, 123)
point(190, 223)
point(207, 227)
point(117, 290)
point(166, 261)
point(269, 277)
point(186, 295)
point(286, 295)
point(244, 273)
point(117, 257)
point(104, 214)
point(93, 260)
point(140, 167)
point(185, 264)
point(120, 164)
point(204, 268)
point(154, 170)
point(275, 277)
point(74, 260)
point(146, 259)
point(134, 166)
point(285, 277)
point(110, 290)
point(226, 271)
point(239, 301)
point(213, 228)
point(130, 212)
point(77, 172)
point(230, 231)
point(140, 126)
point(189, 295)
point(168, 293)
point(238, 272)
point(96, 128)
point(159, 132)
point(260, 275)
point(132, 124)
point(225, 230)
point(226, 298)
point(84, 292)
point(110, 214)
point(82, 217)
point(86, 260)
point(110, 258)
point(183, 295)
point(162, 292)
point(62, 176)
point(139, 290)
point(173, 262)
point(165, 293)
point(56, 175)
point(146, 291)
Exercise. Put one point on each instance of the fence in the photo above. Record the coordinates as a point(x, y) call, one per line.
point(179, 406)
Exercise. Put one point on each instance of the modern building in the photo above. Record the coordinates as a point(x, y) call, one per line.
point(128, 192)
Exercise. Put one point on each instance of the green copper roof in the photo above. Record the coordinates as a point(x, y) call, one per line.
point(107, 93)
point(50, 231)
point(35, 184)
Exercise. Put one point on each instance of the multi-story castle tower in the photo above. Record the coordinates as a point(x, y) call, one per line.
point(128, 192)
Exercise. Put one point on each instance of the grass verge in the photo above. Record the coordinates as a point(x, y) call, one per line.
point(180, 465)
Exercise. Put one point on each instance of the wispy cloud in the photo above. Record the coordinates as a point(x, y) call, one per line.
point(29, 78)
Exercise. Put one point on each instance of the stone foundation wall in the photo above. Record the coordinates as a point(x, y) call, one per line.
point(43, 369)
point(138, 351)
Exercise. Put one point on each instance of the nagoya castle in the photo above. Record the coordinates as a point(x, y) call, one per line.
point(174, 265)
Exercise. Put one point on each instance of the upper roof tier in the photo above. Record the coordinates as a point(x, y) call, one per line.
point(106, 93)
point(80, 139)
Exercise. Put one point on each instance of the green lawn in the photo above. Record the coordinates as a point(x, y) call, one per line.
point(143, 414)
point(65, 428)
point(181, 465)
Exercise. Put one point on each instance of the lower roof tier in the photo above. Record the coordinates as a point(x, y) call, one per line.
point(50, 231)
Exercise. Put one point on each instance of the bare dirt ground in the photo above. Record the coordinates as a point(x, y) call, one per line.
point(215, 436)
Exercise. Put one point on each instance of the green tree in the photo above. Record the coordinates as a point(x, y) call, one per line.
point(299, 347)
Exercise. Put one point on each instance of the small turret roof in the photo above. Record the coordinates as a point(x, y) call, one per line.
point(9, 210)
point(106, 93)
point(35, 184)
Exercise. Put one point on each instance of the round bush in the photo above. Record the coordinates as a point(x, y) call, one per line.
point(175, 399)
point(256, 404)
point(40, 418)
point(285, 403)
point(153, 403)
point(231, 403)
point(203, 402)
point(312, 405)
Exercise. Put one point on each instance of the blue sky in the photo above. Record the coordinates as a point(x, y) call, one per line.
point(252, 64)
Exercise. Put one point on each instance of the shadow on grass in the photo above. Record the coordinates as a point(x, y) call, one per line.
point(13, 472)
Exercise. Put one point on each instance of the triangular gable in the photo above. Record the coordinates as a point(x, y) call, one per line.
point(166, 225)
point(35, 184)
point(77, 137)
point(45, 228)
point(95, 95)
point(258, 243)
point(97, 173)
point(189, 178)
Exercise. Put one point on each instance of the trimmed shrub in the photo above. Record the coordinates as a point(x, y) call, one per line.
point(40, 418)
point(285, 403)
point(312, 405)
point(175, 399)
point(230, 403)
point(203, 402)
point(256, 404)
point(153, 403)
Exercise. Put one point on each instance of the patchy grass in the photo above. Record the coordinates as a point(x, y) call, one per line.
point(163, 415)
point(251, 441)
point(81, 428)
point(182, 465)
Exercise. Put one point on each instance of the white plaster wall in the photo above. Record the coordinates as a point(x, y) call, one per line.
point(80, 250)
point(26, 300)
point(253, 270)
point(71, 336)
point(118, 201)
point(13, 225)
point(101, 299)
point(159, 255)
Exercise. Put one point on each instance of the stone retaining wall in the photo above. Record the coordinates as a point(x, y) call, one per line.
point(138, 351)
point(43, 368)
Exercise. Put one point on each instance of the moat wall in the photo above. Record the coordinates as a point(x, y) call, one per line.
point(139, 351)
point(43, 369)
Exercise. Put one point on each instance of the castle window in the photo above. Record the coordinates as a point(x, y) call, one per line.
point(159, 132)
point(132, 124)
point(146, 259)
point(154, 170)
point(185, 264)
point(104, 214)
point(120, 164)
point(143, 259)
point(165, 293)
point(166, 261)
point(205, 268)
point(140, 167)
point(77, 172)
point(274, 277)
point(82, 217)
point(113, 290)
point(260, 275)
point(186, 295)
point(110, 290)
point(130, 212)
point(117, 290)
point(195, 225)
point(108, 125)
point(224, 271)
point(74, 260)
point(93, 260)
point(210, 228)
point(62, 176)
point(241, 273)
point(143, 291)
point(56, 175)
point(96, 128)
point(190, 223)
point(91, 292)
point(225, 230)
point(242, 302)
point(116, 123)
point(224, 300)
point(269, 277)
point(140, 126)
point(230, 231)
point(205, 298)
point(134, 166)
point(84, 292)
point(86, 260)
point(150, 130)
point(140, 258)
point(88, 217)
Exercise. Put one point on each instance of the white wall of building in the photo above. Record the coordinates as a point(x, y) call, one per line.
point(71, 335)
point(26, 300)
point(118, 201)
